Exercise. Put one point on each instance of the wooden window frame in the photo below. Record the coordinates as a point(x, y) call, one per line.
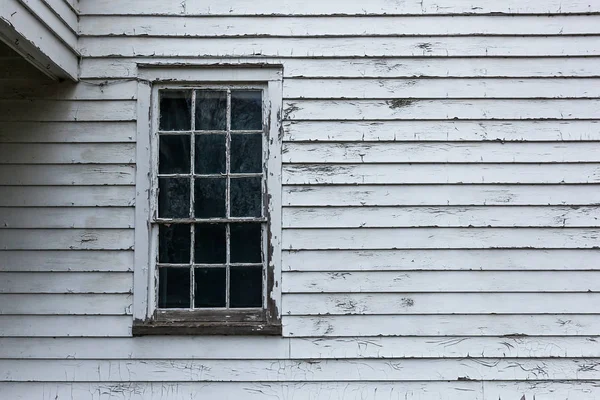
point(148, 319)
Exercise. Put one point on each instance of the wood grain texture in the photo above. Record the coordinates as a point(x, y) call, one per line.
point(67, 196)
point(65, 304)
point(67, 132)
point(33, 153)
point(65, 239)
point(26, 326)
point(65, 282)
point(65, 261)
point(441, 260)
point(66, 217)
point(88, 174)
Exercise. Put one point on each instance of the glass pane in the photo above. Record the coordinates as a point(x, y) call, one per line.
point(246, 110)
point(174, 244)
point(246, 153)
point(211, 110)
point(175, 110)
point(210, 287)
point(210, 244)
point(209, 197)
point(210, 154)
point(174, 288)
point(174, 154)
point(174, 197)
point(246, 194)
point(245, 287)
point(246, 243)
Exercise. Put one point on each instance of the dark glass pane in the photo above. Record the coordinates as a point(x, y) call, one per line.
point(210, 154)
point(246, 153)
point(245, 287)
point(246, 110)
point(210, 287)
point(211, 110)
point(246, 243)
point(246, 194)
point(209, 197)
point(175, 110)
point(174, 288)
point(174, 244)
point(174, 154)
point(210, 244)
point(174, 197)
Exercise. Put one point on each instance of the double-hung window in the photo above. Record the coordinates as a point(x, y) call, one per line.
point(214, 204)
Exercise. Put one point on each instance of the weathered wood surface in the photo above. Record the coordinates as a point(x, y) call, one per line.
point(65, 282)
point(67, 217)
point(388, 67)
point(296, 370)
point(441, 260)
point(516, 194)
point(88, 174)
point(440, 325)
point(65, 239)
point(440, 281)
point(384, 153)
point(435, 303)
point(442, 131)
point(65, 304)
point(110, 46)
point(96, 153)
point(440, 238)
point(289, 7)
point(419, 174)
point(67, 110)
point(67, 132)
point(28, 326)
point(67, 196)
point(66, 261)
point(151, 25)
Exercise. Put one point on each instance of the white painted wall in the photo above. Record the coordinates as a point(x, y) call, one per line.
point(440, 205)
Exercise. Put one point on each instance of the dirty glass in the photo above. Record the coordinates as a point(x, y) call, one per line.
point(246, 110)
point(210, 244)
point(209, 199)
point(245, 289)
point(174, 155)
point(246, 196)
point(173, 197)
point(175, 110)
point(211, 110)
point(174, 243)
point(174, 287)
point(210, 154)
point(210, 290)
point(246, 153)
point(246, 243)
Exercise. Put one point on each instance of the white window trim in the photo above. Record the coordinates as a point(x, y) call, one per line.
point(144, 301)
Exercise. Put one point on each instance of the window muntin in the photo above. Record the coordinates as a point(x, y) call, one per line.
point(211, 218)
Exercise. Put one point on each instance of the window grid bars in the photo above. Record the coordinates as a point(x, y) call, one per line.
point(228, 220)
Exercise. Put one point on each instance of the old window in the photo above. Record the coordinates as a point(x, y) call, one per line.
point(213, 224)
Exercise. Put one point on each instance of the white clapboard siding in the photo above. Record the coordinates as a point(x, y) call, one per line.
point(84, 90)
point(435, 303)
point(66, 196)
point(295, 370)
point(439, 238)
point(71, 153)
point(389, 67)
point(440, 195)
point(302, 174)
point(451, 390)
point(67, 110)
point(64, 239)
point(372, 152)
point(439, 325)
point(67, 132)
point(67, 217)
point(65, 282)
point(337, 26)
point(152, 347)
point(441, 260)
point(289, 7)
point(441, 347)
point(257, 347)
point(441, 88)
point(109, 46)
point(65, 261)
point(439, 281)
point(65, 325)
point(66, 12)
point(89, 174)
point(447, 131)
point(58, 17)
point(393, 217)
point(65, 304)
point(403, 109)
